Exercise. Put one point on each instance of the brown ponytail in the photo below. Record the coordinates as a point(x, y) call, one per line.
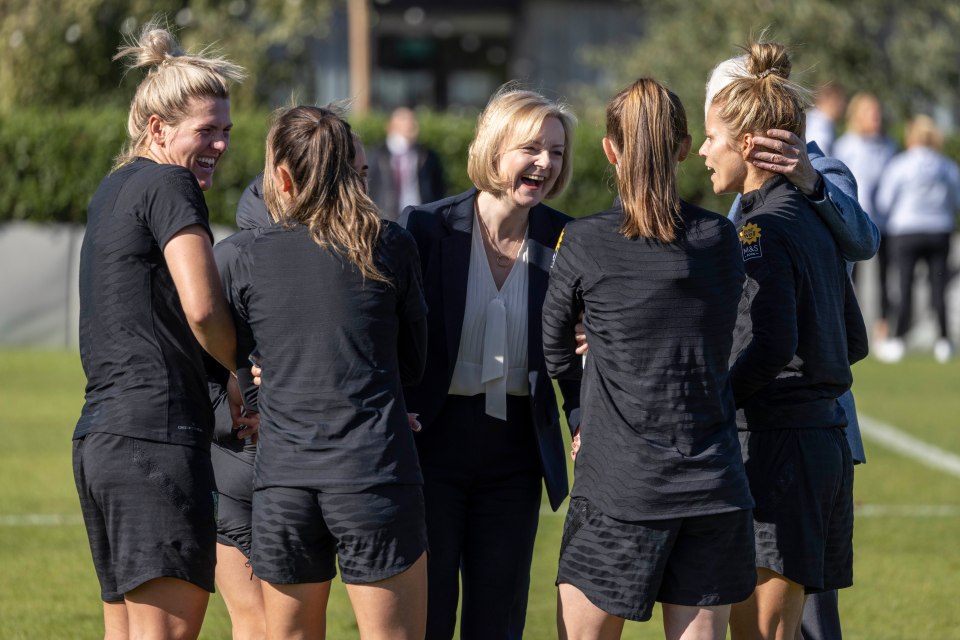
point(648, 125)
point(315, 146)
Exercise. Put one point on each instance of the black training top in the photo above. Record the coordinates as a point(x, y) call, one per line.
point(335, 349)
point(252, 218)
point(145, 374)
point(799, 326)
point(657, 425)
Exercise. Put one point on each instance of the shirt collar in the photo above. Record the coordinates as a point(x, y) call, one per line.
point(773, 188)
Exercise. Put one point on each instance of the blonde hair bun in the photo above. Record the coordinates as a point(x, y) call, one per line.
point(768, 58)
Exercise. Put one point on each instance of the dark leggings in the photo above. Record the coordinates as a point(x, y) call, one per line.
point(934, 249)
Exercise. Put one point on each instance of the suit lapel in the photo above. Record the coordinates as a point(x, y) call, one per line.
point(542, 236)
point(455, 262)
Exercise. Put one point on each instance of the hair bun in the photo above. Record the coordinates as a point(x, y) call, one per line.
point(154, 47)
point(768, 58)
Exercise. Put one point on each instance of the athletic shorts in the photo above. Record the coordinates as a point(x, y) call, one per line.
point(234, 474)
point(624, 567)
point(299, 534)
point(149, 509)
point(802, 482)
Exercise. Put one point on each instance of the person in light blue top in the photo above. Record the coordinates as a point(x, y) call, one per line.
point(829, 103)
point(866, 151)
point(830, 187)
point(919, 196)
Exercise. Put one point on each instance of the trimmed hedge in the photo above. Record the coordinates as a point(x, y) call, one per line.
point(53, 161)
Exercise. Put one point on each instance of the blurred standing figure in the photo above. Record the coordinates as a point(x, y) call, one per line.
point(829, 103)
point(150, 299)
point(919, 197)
point(403, 172)
point(866, 150)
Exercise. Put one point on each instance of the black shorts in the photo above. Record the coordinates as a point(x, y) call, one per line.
point(802, 482)
point(234, 473)
point(149, 509)
point(624, 567)
point(298, 534)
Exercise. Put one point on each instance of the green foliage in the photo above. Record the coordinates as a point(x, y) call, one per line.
point(59, 52)
point(906, 53)
point(54, 160)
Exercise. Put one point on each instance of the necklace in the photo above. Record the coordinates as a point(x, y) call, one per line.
point(502, 261)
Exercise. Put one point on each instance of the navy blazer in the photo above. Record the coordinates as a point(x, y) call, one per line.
point(443, 231)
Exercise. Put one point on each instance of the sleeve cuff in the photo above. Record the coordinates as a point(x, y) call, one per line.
point(819, 190)
point(573, 420)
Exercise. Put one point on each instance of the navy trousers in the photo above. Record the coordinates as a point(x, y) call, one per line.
point(821, 617)
point(482, 488)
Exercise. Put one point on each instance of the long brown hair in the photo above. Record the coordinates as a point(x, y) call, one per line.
point(175, 79)
point(648, 125)
point(315, 146)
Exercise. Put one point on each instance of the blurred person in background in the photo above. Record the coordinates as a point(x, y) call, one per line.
point(792, 357)
point(866, 150)
point(919, 197)
point(403, 172)
point(150, 303)
point(660, 506)
point(491, 430)
point(829, 102)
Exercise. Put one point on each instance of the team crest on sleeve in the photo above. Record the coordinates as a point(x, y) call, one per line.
point(750, 241)
point(553, 261)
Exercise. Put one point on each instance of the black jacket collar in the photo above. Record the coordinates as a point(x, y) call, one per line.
point(775, 188)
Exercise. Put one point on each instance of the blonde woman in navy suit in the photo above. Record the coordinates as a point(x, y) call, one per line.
point(490, 425)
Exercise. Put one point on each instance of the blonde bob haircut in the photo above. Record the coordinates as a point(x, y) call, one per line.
point(764, 97)
point(175, 78)
point(512, 117)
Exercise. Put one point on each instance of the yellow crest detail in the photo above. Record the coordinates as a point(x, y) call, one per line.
point(750, 233)
point(559, 240)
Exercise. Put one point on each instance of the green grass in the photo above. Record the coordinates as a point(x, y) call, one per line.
point(906, 567)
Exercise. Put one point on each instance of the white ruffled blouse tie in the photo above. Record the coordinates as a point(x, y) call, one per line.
point(493, 343)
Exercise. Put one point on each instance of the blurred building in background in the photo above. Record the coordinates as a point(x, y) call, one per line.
point(452, 54)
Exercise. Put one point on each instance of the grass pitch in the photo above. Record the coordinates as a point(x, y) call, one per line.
point(907, 536)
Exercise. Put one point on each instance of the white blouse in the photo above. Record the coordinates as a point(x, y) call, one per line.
point(493, 343)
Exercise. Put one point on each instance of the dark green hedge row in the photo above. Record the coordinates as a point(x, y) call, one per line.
point(52, 162)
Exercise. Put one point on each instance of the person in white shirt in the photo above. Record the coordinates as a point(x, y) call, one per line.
point(865, 149)
point(403, 172)
point(919, 195)
point(829, 103)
